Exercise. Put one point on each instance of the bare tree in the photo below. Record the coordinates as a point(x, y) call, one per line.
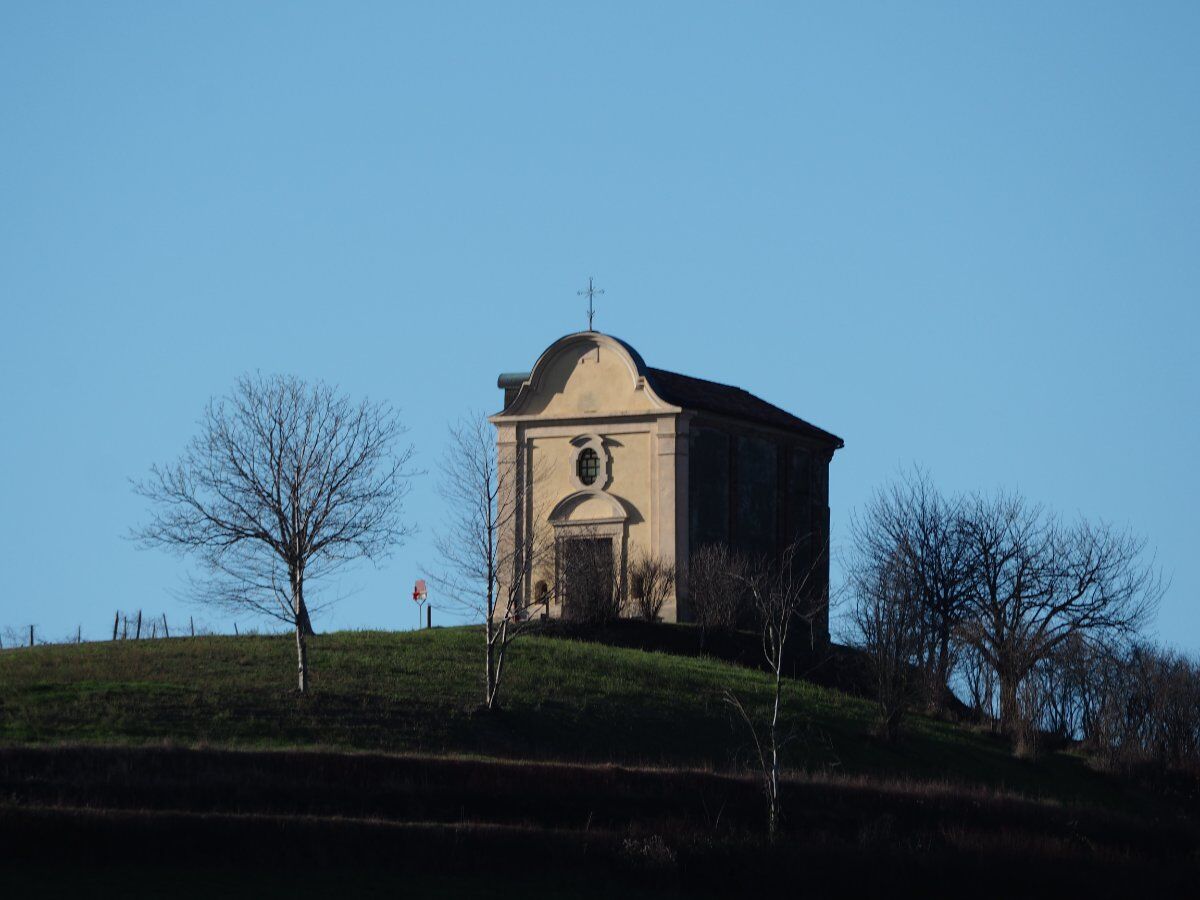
point(286, 482)
point(1149, 715)
point(714, 595)
point(784, 592)
point(494, 539)
point(1071, 684)
point(1036, 582)
point(651, 580)
point(909, 524)
point(979, 682)
point(887, 617)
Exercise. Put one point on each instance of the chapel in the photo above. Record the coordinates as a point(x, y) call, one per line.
point(620, 459)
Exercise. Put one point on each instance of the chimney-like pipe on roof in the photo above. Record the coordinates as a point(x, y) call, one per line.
point(510, 383)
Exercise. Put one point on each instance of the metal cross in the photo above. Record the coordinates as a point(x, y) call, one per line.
point(591, 292)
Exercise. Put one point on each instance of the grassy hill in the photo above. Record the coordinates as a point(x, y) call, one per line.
point(600, 754)
point(418, 692)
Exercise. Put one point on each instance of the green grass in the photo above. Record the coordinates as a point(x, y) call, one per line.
point(419, 692)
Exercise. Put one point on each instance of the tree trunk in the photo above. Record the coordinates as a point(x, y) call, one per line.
point(303, 621)
point(302, 658)
point(1009, 712)
point(773, 809)
point(490, 688)
point(303, 628)
point(943, 670)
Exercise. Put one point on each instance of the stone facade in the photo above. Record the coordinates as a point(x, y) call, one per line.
point(657, 463)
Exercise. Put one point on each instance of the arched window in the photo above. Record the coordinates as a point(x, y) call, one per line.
point(587, 467)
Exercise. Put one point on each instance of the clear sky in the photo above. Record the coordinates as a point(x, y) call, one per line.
point(960, 235)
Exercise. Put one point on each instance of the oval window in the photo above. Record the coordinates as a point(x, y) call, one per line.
point(588, 466)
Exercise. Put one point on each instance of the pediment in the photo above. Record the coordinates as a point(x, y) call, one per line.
point(586, 374)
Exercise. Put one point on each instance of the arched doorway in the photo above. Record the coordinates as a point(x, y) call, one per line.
point(590, 549)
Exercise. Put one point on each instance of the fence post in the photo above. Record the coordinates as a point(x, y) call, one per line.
point(116, 622)
point(30, 635)
point(138, 635)
point(192, 625)
point(166, 630)
point(79, 634)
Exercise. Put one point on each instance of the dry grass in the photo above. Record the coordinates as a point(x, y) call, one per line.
point(262, 814)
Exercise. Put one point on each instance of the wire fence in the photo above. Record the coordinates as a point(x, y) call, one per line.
point(126, 626)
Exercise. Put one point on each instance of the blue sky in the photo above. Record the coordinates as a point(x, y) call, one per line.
point(960, 235)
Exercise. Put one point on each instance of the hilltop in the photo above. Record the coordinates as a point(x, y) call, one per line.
point(419, 692)
point(196, 749)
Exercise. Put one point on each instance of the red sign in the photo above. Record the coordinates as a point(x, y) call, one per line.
point(419, 592)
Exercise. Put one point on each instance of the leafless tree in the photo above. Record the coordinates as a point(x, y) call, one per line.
point(910, 525)
point(1149, 716)
point(1072, 683)
point(1174, 738)
point(286, 482)
point(784, 593)
point(714, 596)
point(651, 580)
point(889, 627)
point(1035, 583)
point(978, 680)
point(493, 540)
point(1050, 701)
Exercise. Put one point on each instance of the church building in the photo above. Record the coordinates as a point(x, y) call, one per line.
point(639, 461)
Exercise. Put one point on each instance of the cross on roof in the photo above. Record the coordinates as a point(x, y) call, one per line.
point(590, 292)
